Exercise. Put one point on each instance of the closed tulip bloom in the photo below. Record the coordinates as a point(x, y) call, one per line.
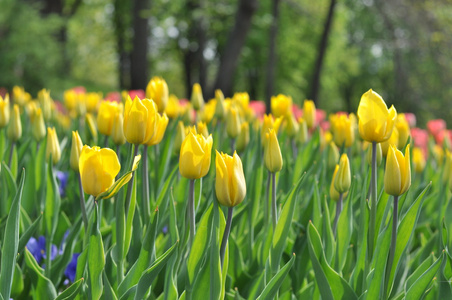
point(343, 179)
point(92, 101)
point(197, 100)
point(98, 169)
point(398, 171)
point(376, 121)
point(303, 136)
point(309, 113)
point(244, 137)
point(180, 136)
point(38, 126)
point(333, 155)
point(14, 131)
point(117, 131)
point(106, 115)
point(230, 185)
point(157, 90)
point(281, 105)
point(403, 129)
point(379, 155)
point(272, 153)
point(334, 194)
point(292, 126)
point(53, 145)
point(220, 109)
point(162, 123)
point(45, 103)
point(393, 140)
point(233, 123)
point(269, 123)
point(139, 120)
point(76, 149)
point(418, 160)
point(342, 129)
point(195, 152)
point(172, 109)
point(202, 129)
point(4, 111)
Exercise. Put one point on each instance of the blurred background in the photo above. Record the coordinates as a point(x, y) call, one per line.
point(331, 51)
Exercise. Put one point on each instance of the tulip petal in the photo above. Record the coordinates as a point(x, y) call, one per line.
point(238, 181)
point(392, 178)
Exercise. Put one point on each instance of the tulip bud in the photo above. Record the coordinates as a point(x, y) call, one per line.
point(342, 129)
point(333, 155)
point(403, 128)
point(98, 169)
point(291, 125)
point(172, 110)
point(220, 109)
point(4, 111)
point(202, 129)
point(53, 146)
point(194, 159)
point(269, 123)
point(15, 126)
point(418, 160)
point(230, 185)
point(272, 153)
point(139, 120)
point(244, 137)
point(117, 133)
point(45, 103)
point(105, 116)
point(309, 113)
point(303, 136)
point(343, 179)
point(379, 154)
point(233, 123)
point(162, 123)
point(157, 90)
point(38, 126)
point(393, 140)
point(397, 178)
point(180, 137)
point(92, 101)
point(197, 100)
point(333, 193)
point(76, 149)
point(281, 105)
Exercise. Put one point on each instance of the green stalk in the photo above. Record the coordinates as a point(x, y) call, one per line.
point(145, 186)
point(274, 210)
point(130, 185)
point(82, 203)
point(191, 211)
point(232, 145)
point(338, 212)
point(11, 150)
point(267, 194)
point(227, 230)
point(373, 207)
point(393, 245)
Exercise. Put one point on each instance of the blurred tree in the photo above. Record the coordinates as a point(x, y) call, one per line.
point(138, 56)
point(122, 22)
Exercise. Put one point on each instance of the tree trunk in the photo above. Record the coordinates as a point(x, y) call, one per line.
point(315, 85)
point(138, 56)
point(272, 59)
point(234, 45)
point(121, 25)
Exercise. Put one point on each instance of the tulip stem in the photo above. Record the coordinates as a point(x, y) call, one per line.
point(373, 207)
point(294, 149)
point(82, 203)
point(106, 141)
point(191, 211)
point(274, 210)
point(338, 212)
point(11, 150)
point(130, 185)
point(146, 208)
point(232, 145)
point(266, 203)
point(393, 245)
point(227, 231)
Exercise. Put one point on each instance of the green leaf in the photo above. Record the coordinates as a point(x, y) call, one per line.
point(129, 219)
point(43, 287)
point(330, 243)
point(52, 204)
point(9, 249)
point(25, 237)
point(215, 264)
point(419, 287)
point(344, 233)
point(273, 286)
point(96, 258)
point(72, 291)
point(9, 189)
point(419, 271)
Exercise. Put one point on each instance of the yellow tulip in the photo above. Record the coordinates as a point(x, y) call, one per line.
point(244, 137)
point(38, 126)
point(180, 137)
point(76, 149)
point(157, 90)
point(207, 114)
point(303, 136)
point(220, 109)
point(269, 123)
point(233, 123)
point(70, 99)
point(309, 113)
point(45, 103)
point(98, 169)
point(418, 160)
point(333, 155)
point(4, 111)
point(92, 101)
point(403, 129)
point(14, 131)
point(195, 152)
point(343, 180)
point(172, 110)
point(105, 116)
point(272, 153)
point(139, 120)
point(230, 185)
point(397, 178)
point(292, 126)
point(197, 100)
point(334, 194)
point(281, 105)
point(202, 129)
point(19, 96)
point(342, 130)
point(162, 123)
point(376, 122)
point(117, 131)
point(393, 140)
point(53, 145)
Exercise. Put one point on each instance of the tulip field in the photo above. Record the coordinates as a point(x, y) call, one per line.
point(141, 195)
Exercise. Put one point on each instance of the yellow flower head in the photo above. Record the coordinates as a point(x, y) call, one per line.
point(106, 115)
point(303, 135)
point(4, 111)
point(38, 126)
point(53, 145)
point(343, 179)
point(157, 90)
point(292, 126)
point(281, 105)
point(45, 103)
point(309, 113)
point(76, 149)
point(117, 131)
point(397, 178)
point(393, 140)
point(403, 129)
point(14, 130)
point(98, 169)
point(272, 153)
point(418, 160)
point(207, 114)
point(172, 110)
point(269, 123)
point(333, 193)
point(233, 123)
point(92, 101)
point(220, 108)
point(140, 120)
point(376, 122)
point(230, 185)
point(244, 137)
point(162, 123)
point(342, 130)
point(197, 99)
point(195, 152)
point(202, 129)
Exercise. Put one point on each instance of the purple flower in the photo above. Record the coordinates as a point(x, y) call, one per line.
point(165, 229)
point(62, 180)
point(71, 268)
point(38, 249)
